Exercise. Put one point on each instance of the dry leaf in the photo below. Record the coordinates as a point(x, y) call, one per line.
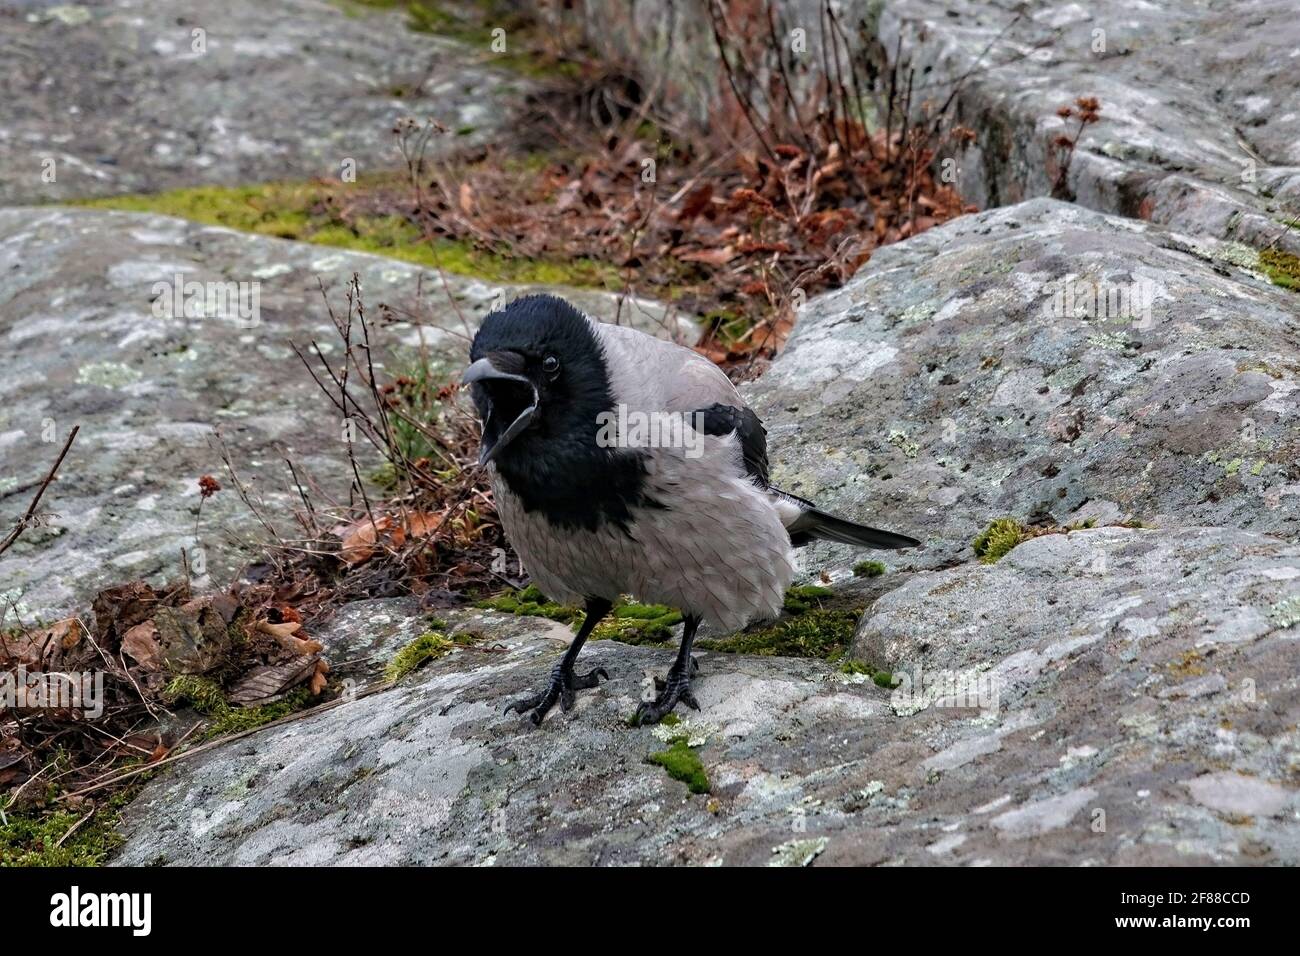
point(278, 631)
point(318, 679)
point(359, 539)
point(711, 257)
point(140, 643)
point(420, 524)
point(263, 684)
point(697, 200)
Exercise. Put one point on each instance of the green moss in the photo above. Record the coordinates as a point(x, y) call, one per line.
point(234, 720)
point(869, 569)
point(202, 693)
point(532, 602)
point(824, 634)
point(801, 598)
point(997, 539)
point(30, 837)
point(206, 696)
point(628, 621)
point(306, 211)
point(881, 678)
point(634, 623)
point(427, 647)
point(1282, 268)
point(682, 763)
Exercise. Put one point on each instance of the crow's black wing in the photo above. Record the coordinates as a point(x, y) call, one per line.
point(721, 419)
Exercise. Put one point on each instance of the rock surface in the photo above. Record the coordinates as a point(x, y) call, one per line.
point(952, 382)
point(284, 90)
point(1114, 695)
point(1200, 104)
point(77, 319)
point(1081, 702)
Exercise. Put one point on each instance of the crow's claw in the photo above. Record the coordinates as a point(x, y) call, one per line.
point(563, 683)
point(660, 683)
point(676, 688)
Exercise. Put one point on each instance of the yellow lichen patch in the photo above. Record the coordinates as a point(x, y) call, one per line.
point(310, 212)
point(1282, 268)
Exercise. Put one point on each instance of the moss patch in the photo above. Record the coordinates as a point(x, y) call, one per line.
point(234, 720)
point(869, 569)
point(824, 634)
point(879, 678)
point(1282, 268)
point(997, 539)
point(310, 212)
point(429, 646)
point(530, 601)
point(634, 623)
point(32, 837)
point(682, 763)
point(812, 628)
point(202, 693)
point(207, 697)
point(628, 621)
point(804, 597)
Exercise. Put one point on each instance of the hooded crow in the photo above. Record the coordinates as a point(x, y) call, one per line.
point(622, 464)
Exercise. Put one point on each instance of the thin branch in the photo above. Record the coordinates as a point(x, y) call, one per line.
point(26, 519)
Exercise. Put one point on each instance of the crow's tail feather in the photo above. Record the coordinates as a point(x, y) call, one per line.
point(814, 523)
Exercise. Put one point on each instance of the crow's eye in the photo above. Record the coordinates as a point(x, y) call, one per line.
point(550, 365)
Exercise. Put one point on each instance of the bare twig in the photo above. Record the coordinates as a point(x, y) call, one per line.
point(27, 517)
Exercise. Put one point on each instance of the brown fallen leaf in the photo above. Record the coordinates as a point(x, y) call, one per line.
point(268, 682)
point(140, 643)
point(360, 539)
point(711, 257)
point(46, 647)
point(284, 635)
point(696, 201)
point(318, 679)
point(279, 631)
point(420, 524)
point(120, 608)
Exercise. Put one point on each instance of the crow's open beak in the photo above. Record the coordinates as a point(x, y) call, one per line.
point(494, 440)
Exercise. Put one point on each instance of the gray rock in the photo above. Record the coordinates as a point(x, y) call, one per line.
point(1076, 758)
point(942, 387)
point(77, 315)
point(1200, 104)
point(266, 91)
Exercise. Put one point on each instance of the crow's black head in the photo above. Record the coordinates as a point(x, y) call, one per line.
point(540, 381)
point(537, 375)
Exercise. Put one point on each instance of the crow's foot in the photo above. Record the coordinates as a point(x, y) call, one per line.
point(660, 683)
point(563, 683)
point(676, 687)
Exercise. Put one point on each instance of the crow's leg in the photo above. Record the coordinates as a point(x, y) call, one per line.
point(563, 681)
point(676, 686)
